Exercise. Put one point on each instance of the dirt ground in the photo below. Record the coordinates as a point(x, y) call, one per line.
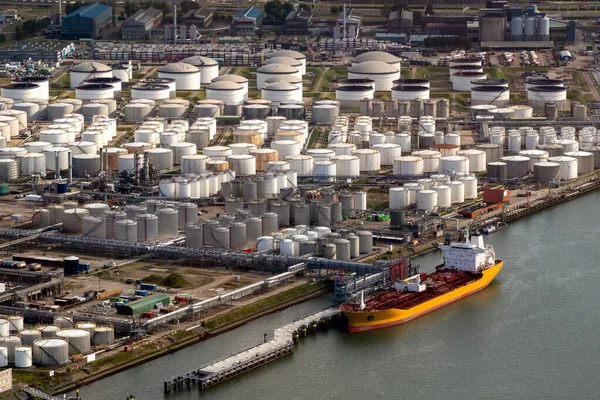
point(9, 206)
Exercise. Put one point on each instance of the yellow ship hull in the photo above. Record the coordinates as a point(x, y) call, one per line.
point(362, 321)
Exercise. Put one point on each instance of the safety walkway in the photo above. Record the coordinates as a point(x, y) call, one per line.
point(282, 344)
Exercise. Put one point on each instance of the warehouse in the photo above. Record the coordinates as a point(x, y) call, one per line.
point(145, 304)
point(246, 22)
point(202, 18)
point(298, 22)
point(139, 26)
point(87, 22)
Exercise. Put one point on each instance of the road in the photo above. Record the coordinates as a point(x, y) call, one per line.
point(591, 83)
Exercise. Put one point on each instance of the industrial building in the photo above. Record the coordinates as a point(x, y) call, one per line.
point(87, 22)
point(400, 21)
point(37, 50)
point(202, 17)
point(298, 22)
point(247, 22)
point(139, 26)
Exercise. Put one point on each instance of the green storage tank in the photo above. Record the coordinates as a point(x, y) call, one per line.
point(3, 189)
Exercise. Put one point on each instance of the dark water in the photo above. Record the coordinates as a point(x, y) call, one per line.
point(533, 334)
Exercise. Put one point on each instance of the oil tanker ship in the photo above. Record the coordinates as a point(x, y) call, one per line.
point(468, 267)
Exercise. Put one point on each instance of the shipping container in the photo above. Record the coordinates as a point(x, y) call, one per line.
point(148, 286)
point(141, 292)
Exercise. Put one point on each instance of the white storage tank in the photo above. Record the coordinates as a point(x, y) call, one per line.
point(287, 61)
point(495, 95)
point(585, 161)
point(286, 148)
point(431, 160)
point(408, 166)
point(477, 159)
point(86, 70)
point(399, 198)
point(182, 149)
point(78, 340)
point(324, 171)
point(461, 81)
point(370, 159)
point(350, 97)
point(125, 230)
point(404, 93)
point(382, 73)
point(535, 156)
point(273, 70)
point(187, 77)
point(94, 91)
point(427, 200)
point(226, 91)
point(538, 96)
point(242, 164)
point(389, 151)
point(279, 92)
point(31, 164)
point(452, 165)
point(347, 165)
point(302, 164)
point(209, 68)
point(568, 167)
point(291, 54)
point(47, 352)
point(155, 92)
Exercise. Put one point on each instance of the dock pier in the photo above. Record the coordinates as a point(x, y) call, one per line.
point(282, 344)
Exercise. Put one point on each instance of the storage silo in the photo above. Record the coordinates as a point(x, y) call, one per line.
point(125, 230)
point(103, 336)
point(451, 165)
point(29, 336)
point(370, 159)
point(94, 227)
point(234, 78)
point(298, 64)
point(461, 81)
point(187, 77)
point(291, 54)
point(31, 164)
point(568, 167)
point(404, 93)
point(585, 161)
point(492, 28)
point(530, 29)
point(477, 159)
point(47, 352)
point(516, 28)
point(11, 343)
point(497, 170)
point(94, 91)
point(495, 95)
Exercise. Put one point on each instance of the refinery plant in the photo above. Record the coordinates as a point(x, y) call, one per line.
point(151, 185)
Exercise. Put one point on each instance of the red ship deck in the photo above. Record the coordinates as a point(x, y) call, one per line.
point(438, 283)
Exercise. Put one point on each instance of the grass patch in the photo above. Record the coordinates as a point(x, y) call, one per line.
point(262, 305)
point(180, 336)
point(39, 379)
point(494, 73)
point(315, 73)
point(123, 357)
point(332, 75)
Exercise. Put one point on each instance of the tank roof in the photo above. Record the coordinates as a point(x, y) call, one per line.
point(199, 61)
point(354, 88)
point(284, 78)
point(548, 89)
point(373, 67)
point(178, 68)
point(277, 69)
point(225, 85)
point(359, 81)
point(283, 60)
point(376, 56)
point(280, 86)
point(90, 66)
point(230, 78)
point(410, 88)
point(489, 89)
point(287, 53)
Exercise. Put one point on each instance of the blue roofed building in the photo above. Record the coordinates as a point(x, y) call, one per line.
point(247, 22)
point(87, 22)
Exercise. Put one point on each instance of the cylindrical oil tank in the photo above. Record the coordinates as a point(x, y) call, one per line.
point(49, 331)
point(103, 336)
point(15, 323)
point(51, 351)
point(365, 242)
point(389, 151)
point(477, 159)
point(568, 166)
point(78, 340)
point(535, 156)
point(63, 323)
point(444, 196)
point(125, 230)
point(518, 166)
point(94, 227)
point(194, 235)
point(398, 198)
point(137, 112)
point(72, 219)
point(496, 95)
point(546, 172)
point(31, 163)
point(370, 159)
point(454, 164)
point(85, 165)
point(193, 164)
point(539, 96)
point(238, 235)
point(221, 237)
point(167, 223)
point(242, 164)
point(569, 144)
point(286, 148)
point(28, 336)
point(427, 200)
point(186, 213)
point(11, 343)
point(270, 223)
point(163, 159)
point(217, 152)
point(87, 326)
point(347, 165)
point(302, 164)
point(493, 152)
point(497, 170)
point(324, 171)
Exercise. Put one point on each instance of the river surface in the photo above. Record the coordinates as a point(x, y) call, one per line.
point(534, 333)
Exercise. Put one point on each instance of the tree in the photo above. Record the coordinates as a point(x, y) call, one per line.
point(70, 7)
point(334, 10)
point(429, 10)
point(187, 5)
point(2, 38)
point(130, 8)
point(277, 10)
point(385, 10)
point(304, 6)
